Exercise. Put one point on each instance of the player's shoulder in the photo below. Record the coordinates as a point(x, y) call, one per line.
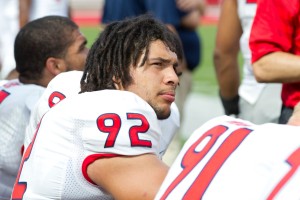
point(283, 131)
point(66, 83)
point(229, 124)
point(21, 94)
point(106, 101)
point(6, 84)
point(112, 95)
point(221, 124)
point(17, 88)
point(66, 79)
point(68, 74)
point(116, 99)
point(2, 82)
point(227, 121)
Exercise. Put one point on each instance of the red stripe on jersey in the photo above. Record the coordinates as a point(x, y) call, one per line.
point(90, 159)
point(3, 95)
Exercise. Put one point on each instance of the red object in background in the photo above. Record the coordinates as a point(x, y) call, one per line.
point(213, 2)
point(86, 18)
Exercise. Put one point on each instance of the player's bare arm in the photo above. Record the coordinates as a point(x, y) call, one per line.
point(134, 177)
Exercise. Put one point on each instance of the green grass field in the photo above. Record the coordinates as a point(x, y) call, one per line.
point(204, 76)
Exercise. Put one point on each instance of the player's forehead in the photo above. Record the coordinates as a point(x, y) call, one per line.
point(159, 49)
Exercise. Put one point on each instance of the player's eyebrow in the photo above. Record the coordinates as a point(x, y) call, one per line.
point(163, 60)
point(167, 61)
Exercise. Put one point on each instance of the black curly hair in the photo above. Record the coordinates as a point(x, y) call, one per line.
point(121, 45)
point(40, 39)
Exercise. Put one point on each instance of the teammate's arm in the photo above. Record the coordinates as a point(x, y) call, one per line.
point(295, 118)
point(188, 5)
point(226, 55)
point(271, 42)
point(24, 11)
point(191, 20)
point(284, 67)
point(129, 177)
point(70, 11)
point(195, 9)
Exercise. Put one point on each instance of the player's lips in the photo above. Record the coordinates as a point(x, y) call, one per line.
point(168, 96)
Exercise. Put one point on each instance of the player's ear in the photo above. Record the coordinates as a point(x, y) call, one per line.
point(55, 65)
point(117, 83)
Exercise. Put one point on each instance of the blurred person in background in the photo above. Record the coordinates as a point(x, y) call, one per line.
point(257, 102)
point(14, 15)
point(9, 28)
point(34, 9)
point(115, 10)
point(275, 47)
point(29, 10)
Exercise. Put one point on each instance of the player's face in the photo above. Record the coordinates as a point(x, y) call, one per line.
point(77, 53)
point(157, 79)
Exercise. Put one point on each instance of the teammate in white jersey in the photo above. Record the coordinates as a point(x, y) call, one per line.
point(230, 158)
point(250, 100)
point(43, 49)
point(64, 85)
point(67, 84)
point(16, 102)
point(104, 142)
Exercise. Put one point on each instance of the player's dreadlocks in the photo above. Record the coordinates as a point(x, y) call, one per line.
point(121, 45)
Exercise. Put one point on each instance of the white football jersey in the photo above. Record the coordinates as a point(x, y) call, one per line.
point(16, 102)
point(74, 133)
point(42, 8)
point(249, 89)
point(67, 84)
point(2, 82)
point(228, 158)
point(63, 85)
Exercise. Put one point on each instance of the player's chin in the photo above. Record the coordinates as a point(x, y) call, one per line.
point(163, 112)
